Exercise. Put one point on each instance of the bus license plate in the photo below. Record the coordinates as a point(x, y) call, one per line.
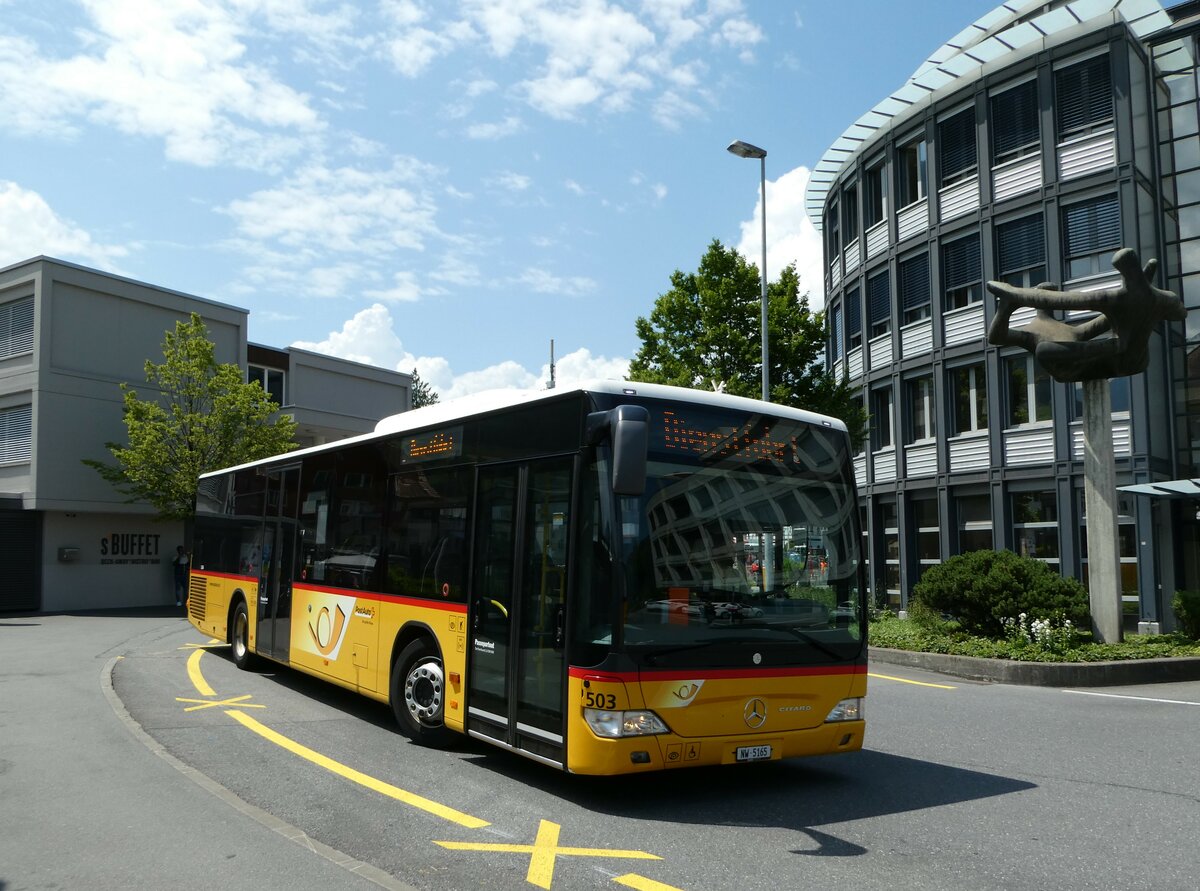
point(753, 753)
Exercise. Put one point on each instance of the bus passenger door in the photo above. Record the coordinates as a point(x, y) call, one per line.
point(278, 562)
point(518, 609)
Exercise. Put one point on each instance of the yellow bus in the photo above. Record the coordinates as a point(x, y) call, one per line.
point(599, 578)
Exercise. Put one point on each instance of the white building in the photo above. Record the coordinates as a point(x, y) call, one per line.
point(69, 337)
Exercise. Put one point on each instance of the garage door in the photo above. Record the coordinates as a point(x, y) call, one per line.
point(19, 588)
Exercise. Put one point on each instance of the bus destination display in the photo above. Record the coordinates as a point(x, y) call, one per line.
point(715, 442)
point(430, 446)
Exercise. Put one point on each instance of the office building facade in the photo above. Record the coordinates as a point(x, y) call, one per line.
point(69, 338)
point(1027, 149)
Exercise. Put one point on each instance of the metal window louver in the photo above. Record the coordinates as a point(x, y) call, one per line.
point(1021, 244)
point(1092, 226)
point(961, 262)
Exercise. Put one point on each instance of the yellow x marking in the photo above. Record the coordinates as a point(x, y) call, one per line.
point(239, 701)
point(543, 852)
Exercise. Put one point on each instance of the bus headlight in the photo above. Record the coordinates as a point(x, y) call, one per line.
point(614, 725)
point(846, 710)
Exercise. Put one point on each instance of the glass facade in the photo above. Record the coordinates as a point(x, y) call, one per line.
point(1073, 153)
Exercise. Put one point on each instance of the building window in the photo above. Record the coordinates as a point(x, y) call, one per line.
point(1091, 232)
point(1035, 525)
point(890, 523)
point(16, 327)
point(835, 334)
point(914, 288)
point(832, 233)
point(962, 272)
point(874, 194)
point(881, 418)
point(1118, 394)
point(929, 533)
point(974, 523)
point(850, 213)
point(969, 387)
point(1126, 544)
point(853, 319)
point(911, 163)
point(270, 379)
point(1028, 390)
point(1083, 98)
point(957, 159)
point(919, 397)
point(1021, 251)
point(879, 297)
point(16, 434)
point(1014, 123)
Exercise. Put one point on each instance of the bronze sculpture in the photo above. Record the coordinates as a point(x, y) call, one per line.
point(1076, 351)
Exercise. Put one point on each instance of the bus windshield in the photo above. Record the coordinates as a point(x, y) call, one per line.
point(743, 557)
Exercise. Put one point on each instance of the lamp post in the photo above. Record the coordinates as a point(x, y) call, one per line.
point(746, 150)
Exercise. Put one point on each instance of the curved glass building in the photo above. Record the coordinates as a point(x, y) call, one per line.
point(1027, 149)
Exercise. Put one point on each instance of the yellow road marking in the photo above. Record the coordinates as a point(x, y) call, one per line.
point(193, 667)
point(543, 852)
point(349, 773)
point(239, 701)
point(355, 776)
point(641, 883)
point(888, 677)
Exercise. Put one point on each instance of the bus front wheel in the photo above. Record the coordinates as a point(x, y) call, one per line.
point(240, 637)
point(419, 695)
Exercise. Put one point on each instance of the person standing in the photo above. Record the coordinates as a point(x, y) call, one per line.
point(180, 567)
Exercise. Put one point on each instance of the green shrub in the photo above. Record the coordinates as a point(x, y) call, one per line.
point(1187, 612)
point(983, 588)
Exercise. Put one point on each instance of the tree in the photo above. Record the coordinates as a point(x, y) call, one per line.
point(705, 333)
point(205, 417)
point(422, 392)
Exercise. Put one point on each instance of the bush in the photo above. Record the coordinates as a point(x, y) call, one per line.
point(983, 588)
point(1187, 612)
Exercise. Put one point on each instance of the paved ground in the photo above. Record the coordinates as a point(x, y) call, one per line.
point(90, 802)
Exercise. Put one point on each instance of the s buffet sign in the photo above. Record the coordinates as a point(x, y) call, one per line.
point(130, 548)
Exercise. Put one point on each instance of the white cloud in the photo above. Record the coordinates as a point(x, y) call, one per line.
point(543, 282)
point(496, 130)
point(370, 337)
point(172, 70)
point(513, 182)
point(29, 227)
point(585, 54)
point(404, 289)
point(345, 209)
point(791, 237)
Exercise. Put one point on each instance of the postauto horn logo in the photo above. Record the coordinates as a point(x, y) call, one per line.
point(328, 619)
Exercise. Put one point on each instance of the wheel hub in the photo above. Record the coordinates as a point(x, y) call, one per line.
point(423, 692)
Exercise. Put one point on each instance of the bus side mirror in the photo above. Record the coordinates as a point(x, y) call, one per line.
point(628, 429)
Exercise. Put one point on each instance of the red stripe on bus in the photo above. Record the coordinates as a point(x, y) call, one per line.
point(226, 575)
point(717, 673)
point(383, 598)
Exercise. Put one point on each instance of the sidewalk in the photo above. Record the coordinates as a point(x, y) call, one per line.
point(91, 802)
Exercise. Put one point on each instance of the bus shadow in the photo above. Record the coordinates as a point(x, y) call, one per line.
point(797, 795)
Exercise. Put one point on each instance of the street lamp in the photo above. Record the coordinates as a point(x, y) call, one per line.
point(746, 150)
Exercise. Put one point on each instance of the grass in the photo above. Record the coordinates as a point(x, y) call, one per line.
point(890, 631)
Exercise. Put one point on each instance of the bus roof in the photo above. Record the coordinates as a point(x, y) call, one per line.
point(494, 400)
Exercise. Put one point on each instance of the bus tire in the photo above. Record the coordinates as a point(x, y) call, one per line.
point(418, 695)
point(239, 637)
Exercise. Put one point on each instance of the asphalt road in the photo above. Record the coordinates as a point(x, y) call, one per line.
point(189, 773)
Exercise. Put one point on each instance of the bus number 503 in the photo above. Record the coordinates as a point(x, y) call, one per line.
point(599, 700)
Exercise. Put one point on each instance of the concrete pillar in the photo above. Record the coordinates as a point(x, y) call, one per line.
point(1100, 500)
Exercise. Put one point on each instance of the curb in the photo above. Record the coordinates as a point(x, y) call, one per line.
point(1046, 674)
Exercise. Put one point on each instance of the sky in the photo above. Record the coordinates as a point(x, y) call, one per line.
point(445, 185)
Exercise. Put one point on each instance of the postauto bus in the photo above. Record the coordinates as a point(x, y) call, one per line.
point(597, 578)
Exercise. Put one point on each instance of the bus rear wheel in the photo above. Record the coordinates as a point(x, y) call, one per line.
point(239, 637)
point(418, 694)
